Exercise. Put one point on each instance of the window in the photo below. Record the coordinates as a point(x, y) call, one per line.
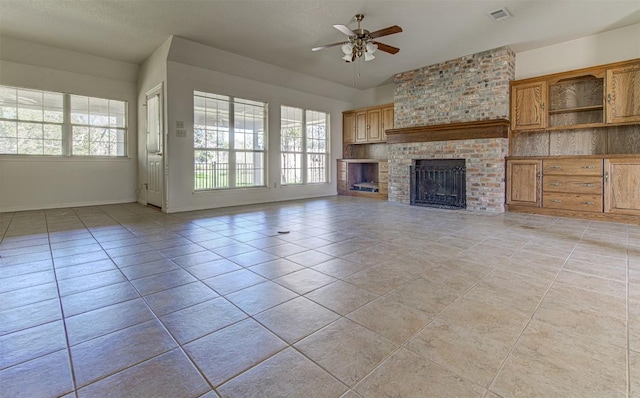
point(35, 122)
point(303, 146)
point(31, 122)
point(98, 126)
point(229, 142)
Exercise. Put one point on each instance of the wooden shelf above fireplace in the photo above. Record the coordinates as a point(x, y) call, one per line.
point(450, 132)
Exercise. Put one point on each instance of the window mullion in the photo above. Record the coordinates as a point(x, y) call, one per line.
point(67, 131)
point(304, 147)
point(232, 149)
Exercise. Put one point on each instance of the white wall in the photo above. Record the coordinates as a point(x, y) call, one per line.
point(380, 95)
point(38, 182)
point(603, 48)
point(183, 79)
point(153, 72)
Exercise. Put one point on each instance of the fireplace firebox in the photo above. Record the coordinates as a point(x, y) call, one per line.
point(439, 183)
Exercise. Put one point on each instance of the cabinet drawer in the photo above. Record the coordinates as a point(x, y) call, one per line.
point(569, 201)
point(342, 185)
point(572, 184)
point(383, 177)
point(383, 166)
point(383, 187)
point(580, 167)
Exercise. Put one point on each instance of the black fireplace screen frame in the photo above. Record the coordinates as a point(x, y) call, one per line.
point(439, 183)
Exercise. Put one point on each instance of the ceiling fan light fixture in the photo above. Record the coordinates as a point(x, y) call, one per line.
point(371, 48)
point(361, 43)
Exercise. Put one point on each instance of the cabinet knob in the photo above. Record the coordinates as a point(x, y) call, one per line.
point(588, 185)
point(609, 98)
point(587, 203)
point(554, 167)
point(588, 167)
point(555, 184)
point(556, 201)
point(542, 106)
point(606, 176)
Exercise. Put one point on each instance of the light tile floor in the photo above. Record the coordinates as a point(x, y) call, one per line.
point(360, 299)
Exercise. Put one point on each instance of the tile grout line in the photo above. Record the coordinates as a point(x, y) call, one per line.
point(508, 355)
point(140, 296)
point(156, 318)
point(64, 321)
point(403, 345)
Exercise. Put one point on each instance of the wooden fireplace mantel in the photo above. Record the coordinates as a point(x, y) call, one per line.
point(498, 128)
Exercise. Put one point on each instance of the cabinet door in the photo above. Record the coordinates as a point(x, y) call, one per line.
point(523, 182)
point(528, 106)
point(373, 126)
point(622, 186)
point(349, 128)
point(387, 121)
point(623, 94)
point(361, 127)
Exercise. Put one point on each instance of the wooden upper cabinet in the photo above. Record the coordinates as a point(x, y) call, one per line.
point(387, 121)
point(523, 182)
point(374, 133)
point(361, 127)
point(528, 106)
point(622, 182)
point(623, 94)
point(349, 127)
point(369, 125)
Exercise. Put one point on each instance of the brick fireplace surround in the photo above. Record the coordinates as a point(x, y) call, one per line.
point(484, 155)
point(455, 110)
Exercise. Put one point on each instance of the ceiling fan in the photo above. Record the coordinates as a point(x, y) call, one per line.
point(361, 42)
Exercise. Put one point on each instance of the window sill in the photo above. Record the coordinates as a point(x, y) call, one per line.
point(58, 158)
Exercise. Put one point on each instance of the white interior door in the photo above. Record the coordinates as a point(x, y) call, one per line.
point(155, 145)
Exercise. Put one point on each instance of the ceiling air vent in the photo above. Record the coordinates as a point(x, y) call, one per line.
point(500, 14)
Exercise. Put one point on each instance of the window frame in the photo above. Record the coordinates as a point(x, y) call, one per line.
point(66, 125)
point(232, 151)
point(305, 152)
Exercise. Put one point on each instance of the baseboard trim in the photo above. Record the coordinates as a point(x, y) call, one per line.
point(66, 205)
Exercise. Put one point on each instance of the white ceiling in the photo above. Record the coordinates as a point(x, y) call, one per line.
point(283, 32)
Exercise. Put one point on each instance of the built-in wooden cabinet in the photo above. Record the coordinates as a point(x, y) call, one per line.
point(374, 126)
point(363, 177)
point(523, 182)
point(367, 125)
point(622, 186)
point(576, 99)
point(361, 127)
point(572, 184)
point(528, 106)
point(588, 186)
point(349, 128)
point(623, 94)
point(387, 121)
point(364, 169)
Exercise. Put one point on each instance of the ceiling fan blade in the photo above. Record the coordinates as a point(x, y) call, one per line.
point(386, 31)
point(386, 48)
point(328, 45)
point(344, 29)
